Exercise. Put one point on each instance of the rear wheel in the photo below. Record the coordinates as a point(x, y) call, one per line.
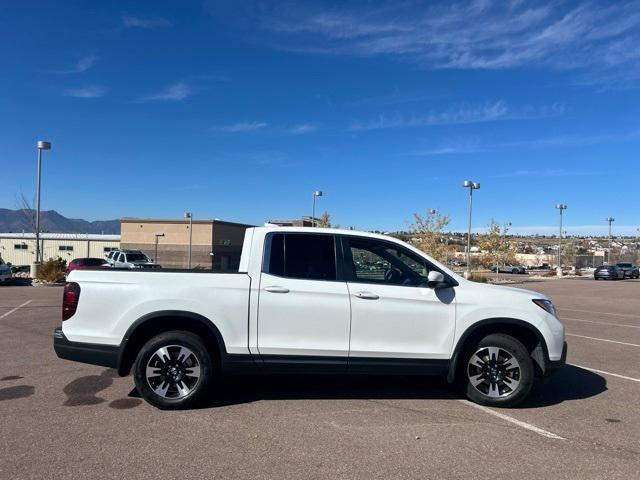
point(498, 371)
point(174, 370)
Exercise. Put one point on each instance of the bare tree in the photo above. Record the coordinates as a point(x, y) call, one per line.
point(27, 211)
point(324, 221)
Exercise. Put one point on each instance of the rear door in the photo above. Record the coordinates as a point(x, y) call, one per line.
point(303, 306)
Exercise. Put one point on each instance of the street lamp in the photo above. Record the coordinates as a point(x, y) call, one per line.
point(317, 193)
point(471, 186)
point(562, 207)
point(190, 217)
point(42, 145)
point(610, 220)
point(157, 235)
point(504, 245)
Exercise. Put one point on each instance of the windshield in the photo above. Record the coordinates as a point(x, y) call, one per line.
point(625, 265)
point(137, 257)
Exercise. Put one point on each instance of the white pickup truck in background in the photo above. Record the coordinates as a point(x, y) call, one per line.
point(315, 301)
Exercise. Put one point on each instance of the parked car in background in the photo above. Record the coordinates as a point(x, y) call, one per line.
point(5, 272)
point(510, 268)
point(84, 263)
point(317, 300)
point(629, 269)
point(109, 256)
point(608, 272)
point(544, 266)
point(131, 259)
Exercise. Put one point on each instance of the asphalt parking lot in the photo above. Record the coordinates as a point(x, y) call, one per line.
point(61, 419)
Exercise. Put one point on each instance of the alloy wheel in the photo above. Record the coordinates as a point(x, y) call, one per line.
point(173, 371)
point(494, 372)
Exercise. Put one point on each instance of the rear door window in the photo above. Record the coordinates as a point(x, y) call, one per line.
point(303, 256)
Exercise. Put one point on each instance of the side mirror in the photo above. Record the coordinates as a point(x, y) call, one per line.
point(435, 279)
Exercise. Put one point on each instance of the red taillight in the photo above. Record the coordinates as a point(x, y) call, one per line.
point(70, 299)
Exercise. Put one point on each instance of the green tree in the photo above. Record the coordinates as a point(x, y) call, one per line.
point(426, 233)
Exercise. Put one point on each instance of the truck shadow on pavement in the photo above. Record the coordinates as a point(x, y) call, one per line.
point(84, 391)
point(237, 390)
point(570, 383)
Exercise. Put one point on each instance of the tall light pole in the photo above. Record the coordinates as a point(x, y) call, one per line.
point(610, 220)
point(42, 145)
point(157, 235)
point(562, 207)
point(504, 242)
point(317, 193)
point(471, 186)
point(190, 217)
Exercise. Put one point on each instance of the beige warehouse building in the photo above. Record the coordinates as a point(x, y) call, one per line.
point(20, 248)
point(216, 244)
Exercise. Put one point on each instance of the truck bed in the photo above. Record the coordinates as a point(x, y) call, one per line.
point(112, 300)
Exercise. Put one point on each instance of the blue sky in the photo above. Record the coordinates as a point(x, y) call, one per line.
point(239, 110)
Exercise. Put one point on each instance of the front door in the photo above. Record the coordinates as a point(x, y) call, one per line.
point(303, 309)
point(394, 314)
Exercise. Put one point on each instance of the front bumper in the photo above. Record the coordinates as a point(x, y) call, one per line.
point(92, 353)
point(554, 365)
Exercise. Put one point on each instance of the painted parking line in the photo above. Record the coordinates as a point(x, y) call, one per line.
point(607, 373)
point(600, 323)
point(519, 423)
point(4, 315)
point(600, 313)
point(603, 340)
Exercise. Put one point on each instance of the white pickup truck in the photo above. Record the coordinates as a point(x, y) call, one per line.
point(310, 300)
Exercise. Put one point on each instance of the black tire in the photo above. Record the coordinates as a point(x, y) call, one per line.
point(515, 270)
point(182, 389)
point(485, 392)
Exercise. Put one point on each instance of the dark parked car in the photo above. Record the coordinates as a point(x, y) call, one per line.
point(608, 272)
point(629, 269)
point(84, 263)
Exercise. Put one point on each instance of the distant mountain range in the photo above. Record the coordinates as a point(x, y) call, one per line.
point(16, 221)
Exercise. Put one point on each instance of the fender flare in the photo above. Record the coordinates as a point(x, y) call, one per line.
point(122, 366)
point(540, 354)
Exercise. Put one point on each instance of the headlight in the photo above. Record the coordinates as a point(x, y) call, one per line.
point(546, 305)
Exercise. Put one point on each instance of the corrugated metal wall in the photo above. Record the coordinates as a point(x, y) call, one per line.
point(52, 249)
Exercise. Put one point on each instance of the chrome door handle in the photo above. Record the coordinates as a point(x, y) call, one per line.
point(276, 289)
point(367, 295)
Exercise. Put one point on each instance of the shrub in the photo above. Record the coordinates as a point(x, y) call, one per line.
point(475, 277)
point(52, 270)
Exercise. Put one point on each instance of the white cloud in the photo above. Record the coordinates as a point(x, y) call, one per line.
point(561, 141)
point(93, 91)
point(302, 129)
point(472, 34)
point(243, 127)
point(461, 115)
point(131, 21)
point(173, 93)
point(82, 65)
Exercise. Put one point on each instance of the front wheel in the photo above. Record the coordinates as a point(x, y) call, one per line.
point(498, 371)
point(174, 370)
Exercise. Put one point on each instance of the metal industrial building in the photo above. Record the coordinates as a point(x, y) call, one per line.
point(20, 248)
point(215, 244)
